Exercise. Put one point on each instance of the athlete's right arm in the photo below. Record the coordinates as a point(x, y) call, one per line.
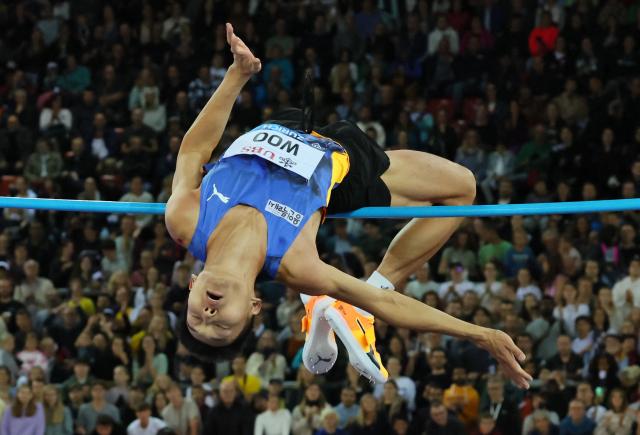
point(205, 132)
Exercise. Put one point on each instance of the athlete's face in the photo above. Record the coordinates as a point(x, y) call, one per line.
point(219, 308)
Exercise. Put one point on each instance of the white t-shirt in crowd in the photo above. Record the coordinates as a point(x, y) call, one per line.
point(155, 424)
point(273, 423)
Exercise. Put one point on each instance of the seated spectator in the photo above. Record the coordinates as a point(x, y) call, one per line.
point(347, 409)
point(503, 412)
point(570, 308)
point(137, 193)
point(470, 155)
point(107, 425)
point(34, 290)
point(307, 416)
point(89, 413)
point(576, 422)
point(403, 386)
point(542, 424)
point(460, 251)
point(200, 89)
point(565, 360)
point(16, 144)
point(392, 404)
point(619, 418)
point(55, 120)
point(57, 416)
point(422, 283)
point(330, 424)
point(150, 362)
point(487, 426)
point(457, 286)
point(461, 399)
point(31, 356)
point(520, 255)
point(526, 286)
point(181, 414)
point(101, 137)
point(542, 38)
point(24, 416)
point(274, 420)
point(247, 384)
point(442, 423)
point(145, 424)
point(155, 116)
point(266, 363)
point(44, 163)
point(369, 419)
point(443, 31)
point(75, 78)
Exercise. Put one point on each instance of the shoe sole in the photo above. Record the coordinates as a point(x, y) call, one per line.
point(359, 359)
point(320, 350)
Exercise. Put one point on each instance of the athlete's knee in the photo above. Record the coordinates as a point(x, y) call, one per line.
point(465, 183)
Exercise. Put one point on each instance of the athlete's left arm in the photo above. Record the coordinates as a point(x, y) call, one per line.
point(405, 312)
point(207, 129)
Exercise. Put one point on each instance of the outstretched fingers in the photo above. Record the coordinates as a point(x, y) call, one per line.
point(513, 369)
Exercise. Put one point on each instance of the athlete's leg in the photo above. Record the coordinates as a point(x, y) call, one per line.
point(418, 178)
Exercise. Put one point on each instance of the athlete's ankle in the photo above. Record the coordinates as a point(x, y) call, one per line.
point(378, 280)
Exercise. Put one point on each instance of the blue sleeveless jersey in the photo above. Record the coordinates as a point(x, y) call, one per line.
point(285, 199)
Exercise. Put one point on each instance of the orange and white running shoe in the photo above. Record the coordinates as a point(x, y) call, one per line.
point(320, 350)
point(358, 335)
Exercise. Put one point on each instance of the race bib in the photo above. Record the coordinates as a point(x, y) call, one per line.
point(280, 147)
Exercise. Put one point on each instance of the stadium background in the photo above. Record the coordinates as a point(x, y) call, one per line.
point(540, 99)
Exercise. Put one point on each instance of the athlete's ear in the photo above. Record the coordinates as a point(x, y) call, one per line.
point(256, 305)
point(192, 281)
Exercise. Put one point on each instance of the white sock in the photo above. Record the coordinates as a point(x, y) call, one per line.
point(377, 280)
point(305, 298)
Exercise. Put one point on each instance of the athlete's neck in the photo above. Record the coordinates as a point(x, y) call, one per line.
point(238, 246)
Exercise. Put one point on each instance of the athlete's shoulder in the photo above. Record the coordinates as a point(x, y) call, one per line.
point(181, 215)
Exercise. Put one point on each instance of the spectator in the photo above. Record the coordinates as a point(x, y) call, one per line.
point(457, 286)
point(90, 412)
point(618, 418)
point(443, 31)
point(594, 411)
point(347, 409)
point(266, 363)
point(576, 422)
point(76, 78)
point(247, 384)
point(230, 415)
point(34, 290)
point(369, 419)
point(330, 424)
point(543, 425)
point(487, 426)
point(543, 38)
point(181, 414)
point(44, 163)
point(150, 362)
point(442, 423)
point(493, 247)
point(58, 417)
point(422, 283)
point(273, 421)
point(24, 416)
point(307, 416)
point(16, 144)
point(461, 399)
point(145, 424)
point(503, 412)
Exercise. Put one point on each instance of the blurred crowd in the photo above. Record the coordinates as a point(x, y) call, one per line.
point(539, 98)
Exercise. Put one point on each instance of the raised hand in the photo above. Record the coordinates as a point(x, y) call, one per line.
point(243, 59)
point(504, 350)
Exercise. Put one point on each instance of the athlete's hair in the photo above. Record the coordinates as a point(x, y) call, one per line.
point(208, 353)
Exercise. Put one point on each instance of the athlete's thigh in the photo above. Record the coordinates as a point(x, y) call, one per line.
point(416, 177)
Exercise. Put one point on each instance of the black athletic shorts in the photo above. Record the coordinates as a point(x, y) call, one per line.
point(362, 187)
